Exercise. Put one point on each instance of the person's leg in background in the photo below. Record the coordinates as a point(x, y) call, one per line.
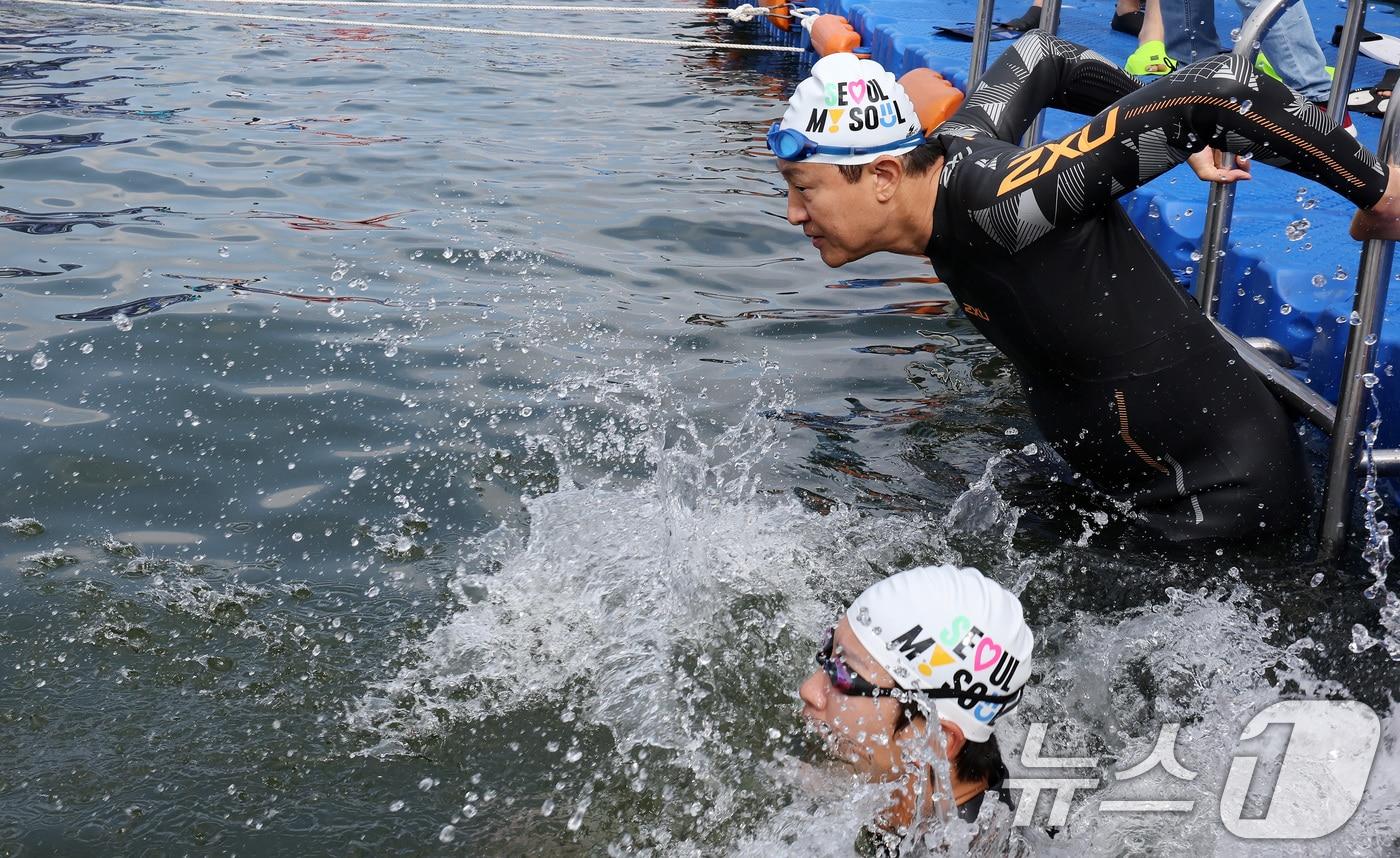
point(1189, 29)
point(1293, 51)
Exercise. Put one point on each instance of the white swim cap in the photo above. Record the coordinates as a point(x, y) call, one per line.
point(941, 627)
point(852, 103)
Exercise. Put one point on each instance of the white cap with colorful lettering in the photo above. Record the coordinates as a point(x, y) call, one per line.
point(851, 103)
point(949, 629)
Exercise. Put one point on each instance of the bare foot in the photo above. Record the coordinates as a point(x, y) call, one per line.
point(1381, 220)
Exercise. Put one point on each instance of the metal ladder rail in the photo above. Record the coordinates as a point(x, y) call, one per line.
point(1342, 422)
point(1345, 69)
point(1368, 305)
point(1049, 22)
point(1221, 207)
point(981, 38)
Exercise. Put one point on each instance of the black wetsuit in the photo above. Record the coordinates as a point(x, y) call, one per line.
point(1126, 377)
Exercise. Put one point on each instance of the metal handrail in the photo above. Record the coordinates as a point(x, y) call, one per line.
point(1050, 23)
point(1346, 59)
point(981, 38)
point(1373, 281)
point(1221, 207)
point(1308, 402)
point(1386, 462)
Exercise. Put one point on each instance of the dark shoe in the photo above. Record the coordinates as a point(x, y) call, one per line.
point(1028, 21)
point(1128, 22)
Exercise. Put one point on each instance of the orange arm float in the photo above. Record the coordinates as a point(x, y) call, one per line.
point(934, 98)
point(833, 34)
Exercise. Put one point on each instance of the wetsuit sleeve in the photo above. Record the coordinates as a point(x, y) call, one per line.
point(1220, 101)
point(1036, 72)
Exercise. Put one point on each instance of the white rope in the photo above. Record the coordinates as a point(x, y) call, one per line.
point(430, 28)
point(506, 7)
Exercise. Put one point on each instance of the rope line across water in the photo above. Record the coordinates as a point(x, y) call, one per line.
point(429, 28)
point(745, 12)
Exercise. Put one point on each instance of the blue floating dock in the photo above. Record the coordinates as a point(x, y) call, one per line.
point(1283, 278)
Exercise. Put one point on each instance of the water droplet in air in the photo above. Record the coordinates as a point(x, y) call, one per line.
point(297, 537)
point(1298, 229)
point(1370, 379)
point(1196, 256)
point(547, 808)
point(1340, 274)
point(447, 834)
point(122, 322)
point(396, 805)
point(39, 361)
point(223, 251)
point(85, 348)
point(1354, 319)
point(1309, 203)
point(576, 821)
point(426, 784)
point(336, 310)
point(1286, 309)
point(1316, 580)
point(1246, 105)
point(1319, 280)
point(357, 474)
point(1361, 639)
point(1370, 339)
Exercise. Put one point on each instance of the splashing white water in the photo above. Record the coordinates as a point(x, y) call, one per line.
point(615, 596)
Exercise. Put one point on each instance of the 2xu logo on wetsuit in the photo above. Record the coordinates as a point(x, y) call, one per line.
point(845, 99)
point(1022, 168)
point(960, 641)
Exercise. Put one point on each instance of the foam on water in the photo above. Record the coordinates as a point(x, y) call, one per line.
point(676, 610)
point(615, 588)
point(1203, 660)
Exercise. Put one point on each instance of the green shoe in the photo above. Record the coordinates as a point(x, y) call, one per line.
point(1265, 67)
point(1150, 59)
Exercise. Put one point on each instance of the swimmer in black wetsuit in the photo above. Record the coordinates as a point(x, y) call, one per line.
point(1125, 376)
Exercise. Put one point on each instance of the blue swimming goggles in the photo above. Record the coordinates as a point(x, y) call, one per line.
point(792, 145)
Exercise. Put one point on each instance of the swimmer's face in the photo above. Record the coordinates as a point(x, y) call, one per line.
point(842, 218)
point(859, 730)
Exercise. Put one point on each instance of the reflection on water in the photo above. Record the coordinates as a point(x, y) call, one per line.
point(485, 488)
point(54, 223)
point(905, 308)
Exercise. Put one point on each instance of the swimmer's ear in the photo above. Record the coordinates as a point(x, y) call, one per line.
point(953, 738)
point(888, 172)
